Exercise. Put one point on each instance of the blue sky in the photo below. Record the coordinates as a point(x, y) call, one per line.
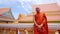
point(23, 6)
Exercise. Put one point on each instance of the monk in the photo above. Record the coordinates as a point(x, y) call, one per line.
point(40, 23)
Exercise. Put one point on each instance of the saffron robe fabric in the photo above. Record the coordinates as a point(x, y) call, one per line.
point(41, 18)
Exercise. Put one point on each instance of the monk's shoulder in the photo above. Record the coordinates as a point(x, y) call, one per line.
point(42, 13)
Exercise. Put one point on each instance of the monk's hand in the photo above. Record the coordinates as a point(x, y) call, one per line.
point(39, 26)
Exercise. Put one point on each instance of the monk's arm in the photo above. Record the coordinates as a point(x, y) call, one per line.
point(35, 22)
point(43, 22)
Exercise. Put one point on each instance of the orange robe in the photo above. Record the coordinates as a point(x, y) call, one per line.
point(41, 18)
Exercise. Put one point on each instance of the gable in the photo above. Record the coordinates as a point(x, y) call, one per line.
point(8, 13)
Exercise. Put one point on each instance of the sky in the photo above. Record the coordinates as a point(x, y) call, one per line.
point(23, 6)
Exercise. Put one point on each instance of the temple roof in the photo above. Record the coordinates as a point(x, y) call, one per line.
point(52, 12)
point(6, 14)
point(47, 7)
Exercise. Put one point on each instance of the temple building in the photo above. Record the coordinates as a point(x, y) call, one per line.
point(51, 11)
point(6, 15)
point(24, 24)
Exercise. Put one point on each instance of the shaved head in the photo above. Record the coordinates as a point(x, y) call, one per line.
point(38, 10)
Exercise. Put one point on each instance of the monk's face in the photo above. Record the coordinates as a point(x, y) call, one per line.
point(37, 10)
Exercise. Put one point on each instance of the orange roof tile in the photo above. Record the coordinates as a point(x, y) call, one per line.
point(5, 18)
point(49, 8)
point(2, 10)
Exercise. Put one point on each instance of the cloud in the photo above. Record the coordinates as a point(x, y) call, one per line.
point(31, 1)
point(7, 1)
point(58, 1)
point(38, 1)
point(4, 1)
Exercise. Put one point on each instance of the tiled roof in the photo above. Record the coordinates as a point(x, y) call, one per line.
point(47, 7)
point(6, 15)
point(2, 10)
point(52, 11)
point(4, 18)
